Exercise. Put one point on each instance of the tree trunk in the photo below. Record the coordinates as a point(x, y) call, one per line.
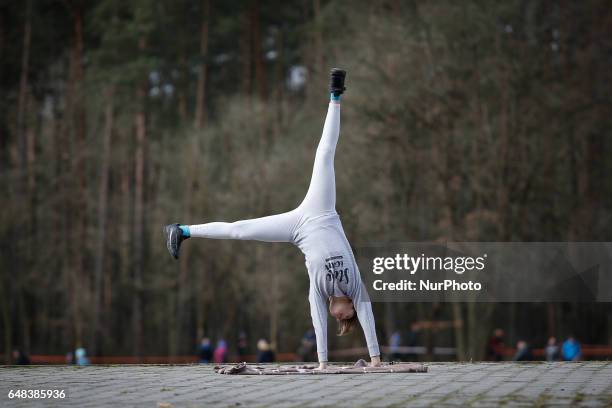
point(126, 226)
point(3, 132)
point(274, 311)
point(551, 320)
point(61, 210)
point(140, 123)
point(30, 135)
point(318, 38)
point(260, 76)
point(279, 72)
point(22, 166)
point(200, 113)
point(23, 83)
point(30, 210)
point(76, 111)
point(171, 316)
point(2, 39)
point(459, 337)
point(138, 228)
point(24, 319)
point(7, 328)
point(102, 214)
point(183, 85)
point(138, 231)
point(245, 50)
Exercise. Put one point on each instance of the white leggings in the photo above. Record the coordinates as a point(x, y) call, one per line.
point(320, 198)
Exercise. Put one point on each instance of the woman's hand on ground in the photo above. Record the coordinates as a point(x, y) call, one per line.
point(375, 361)
point(322, 366)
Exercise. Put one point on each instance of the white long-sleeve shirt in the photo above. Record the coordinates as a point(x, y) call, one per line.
point(333, 271)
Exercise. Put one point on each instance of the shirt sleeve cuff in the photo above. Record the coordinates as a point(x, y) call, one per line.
point(322, 357)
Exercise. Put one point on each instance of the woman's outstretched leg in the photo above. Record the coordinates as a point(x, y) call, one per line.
point(321, 195)
point(274, 228)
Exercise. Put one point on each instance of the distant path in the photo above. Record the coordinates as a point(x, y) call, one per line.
point(446, 384)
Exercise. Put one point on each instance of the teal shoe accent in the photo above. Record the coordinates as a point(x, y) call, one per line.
point(185, 230)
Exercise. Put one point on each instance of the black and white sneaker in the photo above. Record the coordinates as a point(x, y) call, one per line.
point(174, 238)
point(336, 81)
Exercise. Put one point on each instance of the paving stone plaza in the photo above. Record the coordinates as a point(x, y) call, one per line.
point(581, 384)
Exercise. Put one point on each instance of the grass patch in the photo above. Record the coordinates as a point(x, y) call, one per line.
point(541, 401)
point(579, 397)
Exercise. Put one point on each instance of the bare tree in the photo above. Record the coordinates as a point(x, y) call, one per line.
point(102, 220)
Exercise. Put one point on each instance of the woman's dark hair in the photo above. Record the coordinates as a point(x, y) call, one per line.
point(345, 326)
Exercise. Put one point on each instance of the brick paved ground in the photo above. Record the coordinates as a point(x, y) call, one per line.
point(587, 384)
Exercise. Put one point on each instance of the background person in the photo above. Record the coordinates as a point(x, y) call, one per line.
point(571, 349)
point(243, 345)
point(523, 351)
point(307, 350)
point(551, 351)
point(205, 352)
point(395, 341)
point(495, 346)
point(81, 356)
point(220, 353)
point(264, 352)
point(20, 357)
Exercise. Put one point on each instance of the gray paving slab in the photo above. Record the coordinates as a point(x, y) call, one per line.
point(576, 384)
